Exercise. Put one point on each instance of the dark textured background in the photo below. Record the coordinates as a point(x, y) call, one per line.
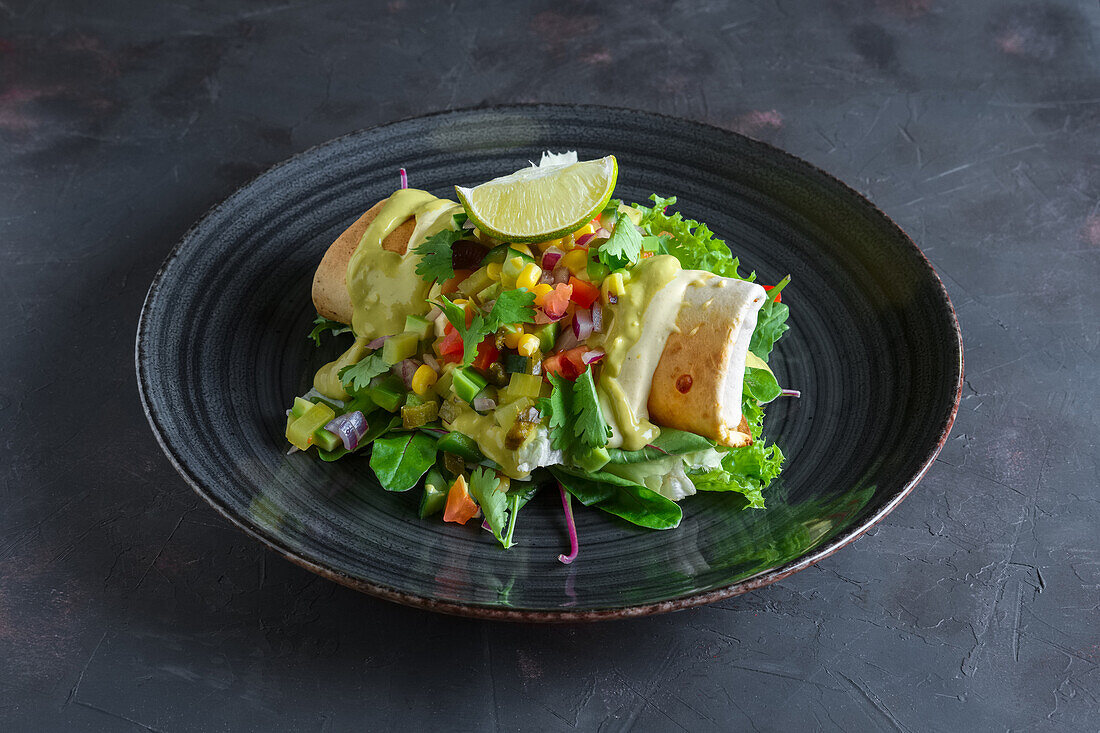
point(126, 603)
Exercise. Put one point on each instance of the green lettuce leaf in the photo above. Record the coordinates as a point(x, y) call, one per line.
point(619, 496)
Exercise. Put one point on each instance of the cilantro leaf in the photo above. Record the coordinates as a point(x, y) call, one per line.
point(484, 488)
point(557, 408)
point(589, 425)
point(435, 255)
point(624, 246)
point(357, 377)
point(322, 324)
point(512, 306)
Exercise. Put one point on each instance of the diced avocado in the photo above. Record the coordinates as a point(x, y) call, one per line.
point(491, 292)
point(400, 347)
point(467, 383)
point(388, 393)
point(507, 414)
point(434, 497)
point(461, 445)
point(443, 384)
point(502, 252)
point(326, 441)
point(597, 270)
point(593, 459)
point(421, 326)
point(300, 431)
point(512, 267)
point(476, 282)
point(412, 399)
point(548, 336)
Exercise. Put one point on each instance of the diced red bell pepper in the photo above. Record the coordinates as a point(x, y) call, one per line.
point(584, 293)
point(778, 298)
point(487, 353)
point(451, 346)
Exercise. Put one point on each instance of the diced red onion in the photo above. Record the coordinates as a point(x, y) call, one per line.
point(571, 527)
point(550, 257)
point(546, 277)
point(431, 361)
point(404, 178)
point(582, 324)
point(612, 299)
point(591, 357)
point(434, 313)
point(542, 319)
point(351, 428)
point(790, 393)
point(566, 340)
point(484, 404)
point(584, 239)
point(561, 274)
point(602, 233)
point(597, 317)
point(377, 343)
point(406, 369)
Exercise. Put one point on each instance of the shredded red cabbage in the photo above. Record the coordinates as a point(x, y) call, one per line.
point(404, 179)
point(574, 545)
point(377, 343)
point(790, 393)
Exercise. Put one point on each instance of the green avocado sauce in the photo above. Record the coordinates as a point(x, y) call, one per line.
point(383, 286)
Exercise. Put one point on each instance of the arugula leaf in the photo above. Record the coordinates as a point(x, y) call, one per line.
point(771, 323)
point(435, 255)
point(689, 241)
point(558, 409)
point(624, 246)
point(400, 461)
point(357, 377)
point(322, 324)
point(493, 502)
point(619, 496)
point(589, 425)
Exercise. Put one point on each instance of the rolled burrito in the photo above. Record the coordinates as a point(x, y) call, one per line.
point(683, 364)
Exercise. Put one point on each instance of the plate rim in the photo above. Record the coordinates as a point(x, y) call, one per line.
point(550, 615)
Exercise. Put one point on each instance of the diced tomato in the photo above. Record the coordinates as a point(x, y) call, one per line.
point(555, 302)
point(558, 364)
point(584, 293)
point(778, 298)
point(487, 353)
point(460, 507)
point(451, 345)
point(451, 286)
point(574, 357)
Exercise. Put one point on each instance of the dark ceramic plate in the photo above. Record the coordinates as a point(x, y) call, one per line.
point(874, 346)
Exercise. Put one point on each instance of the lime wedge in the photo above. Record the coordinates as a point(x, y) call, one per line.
point(541, 202)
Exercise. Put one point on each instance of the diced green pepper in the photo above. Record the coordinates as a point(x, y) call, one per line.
point(419, 415)
point(388, 393)
point(400, 347)
point(434, 497)
point(490, 292)
point(461, 445)
point(548, 336)
point(467, 383)
point(597, 270)
point(300, 431)
point(422, 327)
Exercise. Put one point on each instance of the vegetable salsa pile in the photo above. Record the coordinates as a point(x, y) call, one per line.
point(509, 342)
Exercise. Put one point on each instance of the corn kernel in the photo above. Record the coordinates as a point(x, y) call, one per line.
point(586, 229)
point(512, 334)
point(493, 271)
point(528, 344)
point(550, 243)
point(521, 248)
point(529, 276)
point(540, 292)
point(567, 243)
point(613, 285)
point(460, 301)
point(575, 260)
point(424, 378)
